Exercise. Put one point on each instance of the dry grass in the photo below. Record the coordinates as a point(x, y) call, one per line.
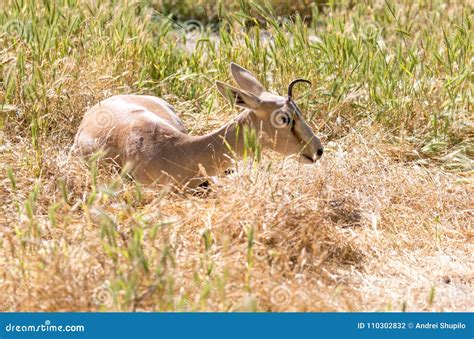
point(361, 231)
point(383, 222)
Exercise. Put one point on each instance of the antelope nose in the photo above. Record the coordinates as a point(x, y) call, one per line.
point(319, 152)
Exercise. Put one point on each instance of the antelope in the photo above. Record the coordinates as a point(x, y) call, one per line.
point(144, 133)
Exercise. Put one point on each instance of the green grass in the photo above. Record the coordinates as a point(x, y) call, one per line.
point(407, 67)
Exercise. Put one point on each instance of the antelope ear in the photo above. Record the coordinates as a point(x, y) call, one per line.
point(246, 80)
point(238, 97)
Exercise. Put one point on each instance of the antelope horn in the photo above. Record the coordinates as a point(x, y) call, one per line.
point(290, 87)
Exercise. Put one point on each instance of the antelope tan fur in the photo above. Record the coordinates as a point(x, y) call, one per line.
point(145, 134)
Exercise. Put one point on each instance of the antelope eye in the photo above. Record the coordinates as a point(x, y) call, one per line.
point(281, 119)
point(285, 119)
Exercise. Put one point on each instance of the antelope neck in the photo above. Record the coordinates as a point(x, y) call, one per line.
point(216, 150)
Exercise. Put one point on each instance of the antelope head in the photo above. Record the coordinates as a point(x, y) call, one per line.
point(279, 119)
